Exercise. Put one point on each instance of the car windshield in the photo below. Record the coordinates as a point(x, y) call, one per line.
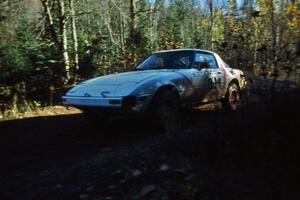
point(168, 60)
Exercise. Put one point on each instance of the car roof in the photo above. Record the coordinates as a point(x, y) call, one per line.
point(174, 50)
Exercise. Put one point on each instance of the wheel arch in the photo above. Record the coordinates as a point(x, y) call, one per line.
point(235, 81)
point(225, 101)
point(168, 87)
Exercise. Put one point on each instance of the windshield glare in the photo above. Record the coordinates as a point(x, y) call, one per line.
point(168, 60)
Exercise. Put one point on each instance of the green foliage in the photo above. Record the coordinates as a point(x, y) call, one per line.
point(114, 37)
point(15, 109)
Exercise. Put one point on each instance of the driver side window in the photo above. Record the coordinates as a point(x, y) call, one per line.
point(182, 61)
point(209, 60)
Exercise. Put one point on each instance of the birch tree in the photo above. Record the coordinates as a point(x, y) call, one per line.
point(49, 16)
point(64, 38)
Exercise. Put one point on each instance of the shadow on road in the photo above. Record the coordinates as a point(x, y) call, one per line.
point(245, 152)
point(55, 140)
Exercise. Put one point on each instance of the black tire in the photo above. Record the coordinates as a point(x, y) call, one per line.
point(167, 110)
point(233, 98)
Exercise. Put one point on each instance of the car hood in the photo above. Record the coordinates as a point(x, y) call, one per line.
point(121, 78)
point(114, 85)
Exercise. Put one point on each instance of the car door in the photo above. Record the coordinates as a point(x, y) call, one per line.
point(221, 82)
point(196, 81)
point(199, 79)
point(210, 76)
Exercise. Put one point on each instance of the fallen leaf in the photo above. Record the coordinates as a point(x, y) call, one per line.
point(83, 196)
point(147, 189)
point(164, 167)
point(136, 173)
point(124, 180)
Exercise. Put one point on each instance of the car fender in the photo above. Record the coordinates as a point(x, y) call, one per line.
point(151, 87)
point(235, 76)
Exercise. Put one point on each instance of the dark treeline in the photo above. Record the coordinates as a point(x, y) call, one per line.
point(48, 45)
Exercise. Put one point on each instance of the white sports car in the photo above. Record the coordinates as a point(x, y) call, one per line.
point(164, 82)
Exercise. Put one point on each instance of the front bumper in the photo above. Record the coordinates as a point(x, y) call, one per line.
point(92, 101)
point(127, 103)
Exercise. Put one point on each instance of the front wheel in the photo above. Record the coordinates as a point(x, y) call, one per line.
point(167, 111)
point(232, 100)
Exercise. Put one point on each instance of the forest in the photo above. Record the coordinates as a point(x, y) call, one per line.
point(47, 46)
point(50, 151)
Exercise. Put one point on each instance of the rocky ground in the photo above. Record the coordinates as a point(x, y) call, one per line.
point(216, 156)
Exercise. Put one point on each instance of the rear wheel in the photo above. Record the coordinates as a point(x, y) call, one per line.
point(232, 100)
point(167, 110)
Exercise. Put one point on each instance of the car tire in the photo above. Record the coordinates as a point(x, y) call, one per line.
point(233, 100)
point(167, 111)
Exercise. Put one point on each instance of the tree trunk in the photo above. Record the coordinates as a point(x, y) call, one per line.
point(63, 31)
point(74, 35)
point(132, 18)
point(211, 26)
point(274, 45)
point(49, 19)
point(256, 43)
point(88, 18)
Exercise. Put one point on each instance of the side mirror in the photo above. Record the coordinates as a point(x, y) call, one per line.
point(202, 64)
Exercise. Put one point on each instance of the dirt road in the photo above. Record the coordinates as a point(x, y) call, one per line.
point(62, 157)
